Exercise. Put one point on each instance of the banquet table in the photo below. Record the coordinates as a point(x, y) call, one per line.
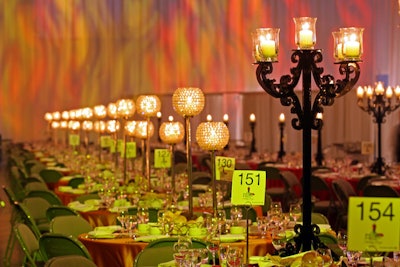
point(122, 251)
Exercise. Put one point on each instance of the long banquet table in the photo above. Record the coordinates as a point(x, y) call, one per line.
point(121, 252)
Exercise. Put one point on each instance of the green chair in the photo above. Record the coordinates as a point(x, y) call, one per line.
point(70, 260)
point(37, 208)
point(48, 195)
point(83, 198)
point(34, 185)
point(317, 218)
point(71, 225)
point(51, 177)
point(327, 239)
point(76, 181)
point(54, 245)
point(154, 256)
point(55, 211)
point(29, 244)
point(153, 213)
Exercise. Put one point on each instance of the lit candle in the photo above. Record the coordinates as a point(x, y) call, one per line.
point(170, 118)
point(209, 117)
point(319, 116)
point(159, 114)
point(360, 92)
point(225, 118)
point(339, 51)
point(397, 91)
point(369, 91)
point(352, 47)
point(379, 90)
point(306, 36)
point(267, 46)
point(252, 117)
point(389, 92)
point(282, 118)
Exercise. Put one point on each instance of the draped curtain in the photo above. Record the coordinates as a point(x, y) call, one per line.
point(66, 54)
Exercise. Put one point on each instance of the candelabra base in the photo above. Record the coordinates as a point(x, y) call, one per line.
point(379, 167)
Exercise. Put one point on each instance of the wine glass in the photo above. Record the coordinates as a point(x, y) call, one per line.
point(131, 224)
point(223, 250)
point(295, 211)
point(234, 257)
point(342, 242)
point(262, 223)
point(143, 214)
point(213, 248)
point(353, 257)
point(123, 218)
point(279, 238)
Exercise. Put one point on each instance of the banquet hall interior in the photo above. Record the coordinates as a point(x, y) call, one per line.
point(95, 90)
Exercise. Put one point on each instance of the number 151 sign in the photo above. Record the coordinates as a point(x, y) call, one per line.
point(248, 187)
point(373, 224)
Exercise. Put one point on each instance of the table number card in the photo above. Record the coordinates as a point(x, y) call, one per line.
point(74, 139)
point(224, 167)
point(130, 150)
point(248, 187)
point(120, 145)
point(105, 141)
point(374, 224)
point(112, 145)
point(162, 158)
point(367, 148)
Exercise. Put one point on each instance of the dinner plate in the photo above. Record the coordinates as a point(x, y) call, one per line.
point(229, 238)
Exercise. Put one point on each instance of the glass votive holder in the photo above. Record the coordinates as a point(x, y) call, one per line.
point(266, 44)
point(338, 46)
point(352, 43)
point(305, 36)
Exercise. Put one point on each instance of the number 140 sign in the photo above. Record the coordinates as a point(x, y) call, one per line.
point(373, 224)
point(248, 187)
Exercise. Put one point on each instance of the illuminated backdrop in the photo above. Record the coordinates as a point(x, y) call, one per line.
point(64, 54)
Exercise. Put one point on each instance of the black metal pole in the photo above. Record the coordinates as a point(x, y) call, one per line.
point(253, 138)
point(379, 165)
point(319, 157)
point(281, 152)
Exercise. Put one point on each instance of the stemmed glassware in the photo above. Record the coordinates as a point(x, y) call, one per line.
point(342, 242)
point(213, 249)
point(234, 257)
point(143, 214)
point(131, 224)
point(295, 212)
point(262, 223)
point(123, 219)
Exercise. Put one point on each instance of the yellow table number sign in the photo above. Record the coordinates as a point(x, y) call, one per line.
point(248, 187)
point(224, 167)
point(162, 158)
point(105, 141)
point(130, 150)
point(373, 224)
point(74, 140)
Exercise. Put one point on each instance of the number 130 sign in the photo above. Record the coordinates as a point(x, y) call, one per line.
point(248, 187)
point(373, 224)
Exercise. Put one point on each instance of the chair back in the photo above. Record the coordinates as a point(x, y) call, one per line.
point(363, 182)
point(27, 218)
point(380, 191)
point(37, 207)
point(343, 191)
point(200, 177)
point(153, 256)
point(55, 211)
point(292, 183)
point(271, 172)
point(32, 186)
point(54, 245)
point(69, 261)
point(48, 195)
point(70, 225)
point(76, 181)
point(50, 176)
point(28, 242)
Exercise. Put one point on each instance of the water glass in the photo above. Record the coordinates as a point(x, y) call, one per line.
point(295, 211)
point(262, 223)
point(143, 215)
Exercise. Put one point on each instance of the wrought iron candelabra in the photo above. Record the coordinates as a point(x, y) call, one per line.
point(319, 157)
point(379, 102)
point(281, 125)
point(306, 59)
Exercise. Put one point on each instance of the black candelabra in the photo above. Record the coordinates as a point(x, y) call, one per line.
point(379, 102)
point(319, 157)
point(281, 125)
point(306, 58)
point(253, 135)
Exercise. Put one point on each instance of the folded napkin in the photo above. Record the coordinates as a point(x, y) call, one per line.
point(65, 188)
point(76, 205)
point(167, 264)
point(109, 228)
point(149, 238)
point(100, 234)
point(228, 238)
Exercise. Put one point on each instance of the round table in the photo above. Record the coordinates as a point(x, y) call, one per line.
point(122, 251)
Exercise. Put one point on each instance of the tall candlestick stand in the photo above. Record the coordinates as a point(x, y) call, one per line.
point(253, 136)
point(319, 157)
point(281, 152)
point(378, 102)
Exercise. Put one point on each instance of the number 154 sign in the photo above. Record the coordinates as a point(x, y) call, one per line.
point(373, 224)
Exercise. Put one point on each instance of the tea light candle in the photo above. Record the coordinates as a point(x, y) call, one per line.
point(352, 47)
point(319, 116)
point(267, 46)
point(305, 36)
point(225, 118)
point(209, 117)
